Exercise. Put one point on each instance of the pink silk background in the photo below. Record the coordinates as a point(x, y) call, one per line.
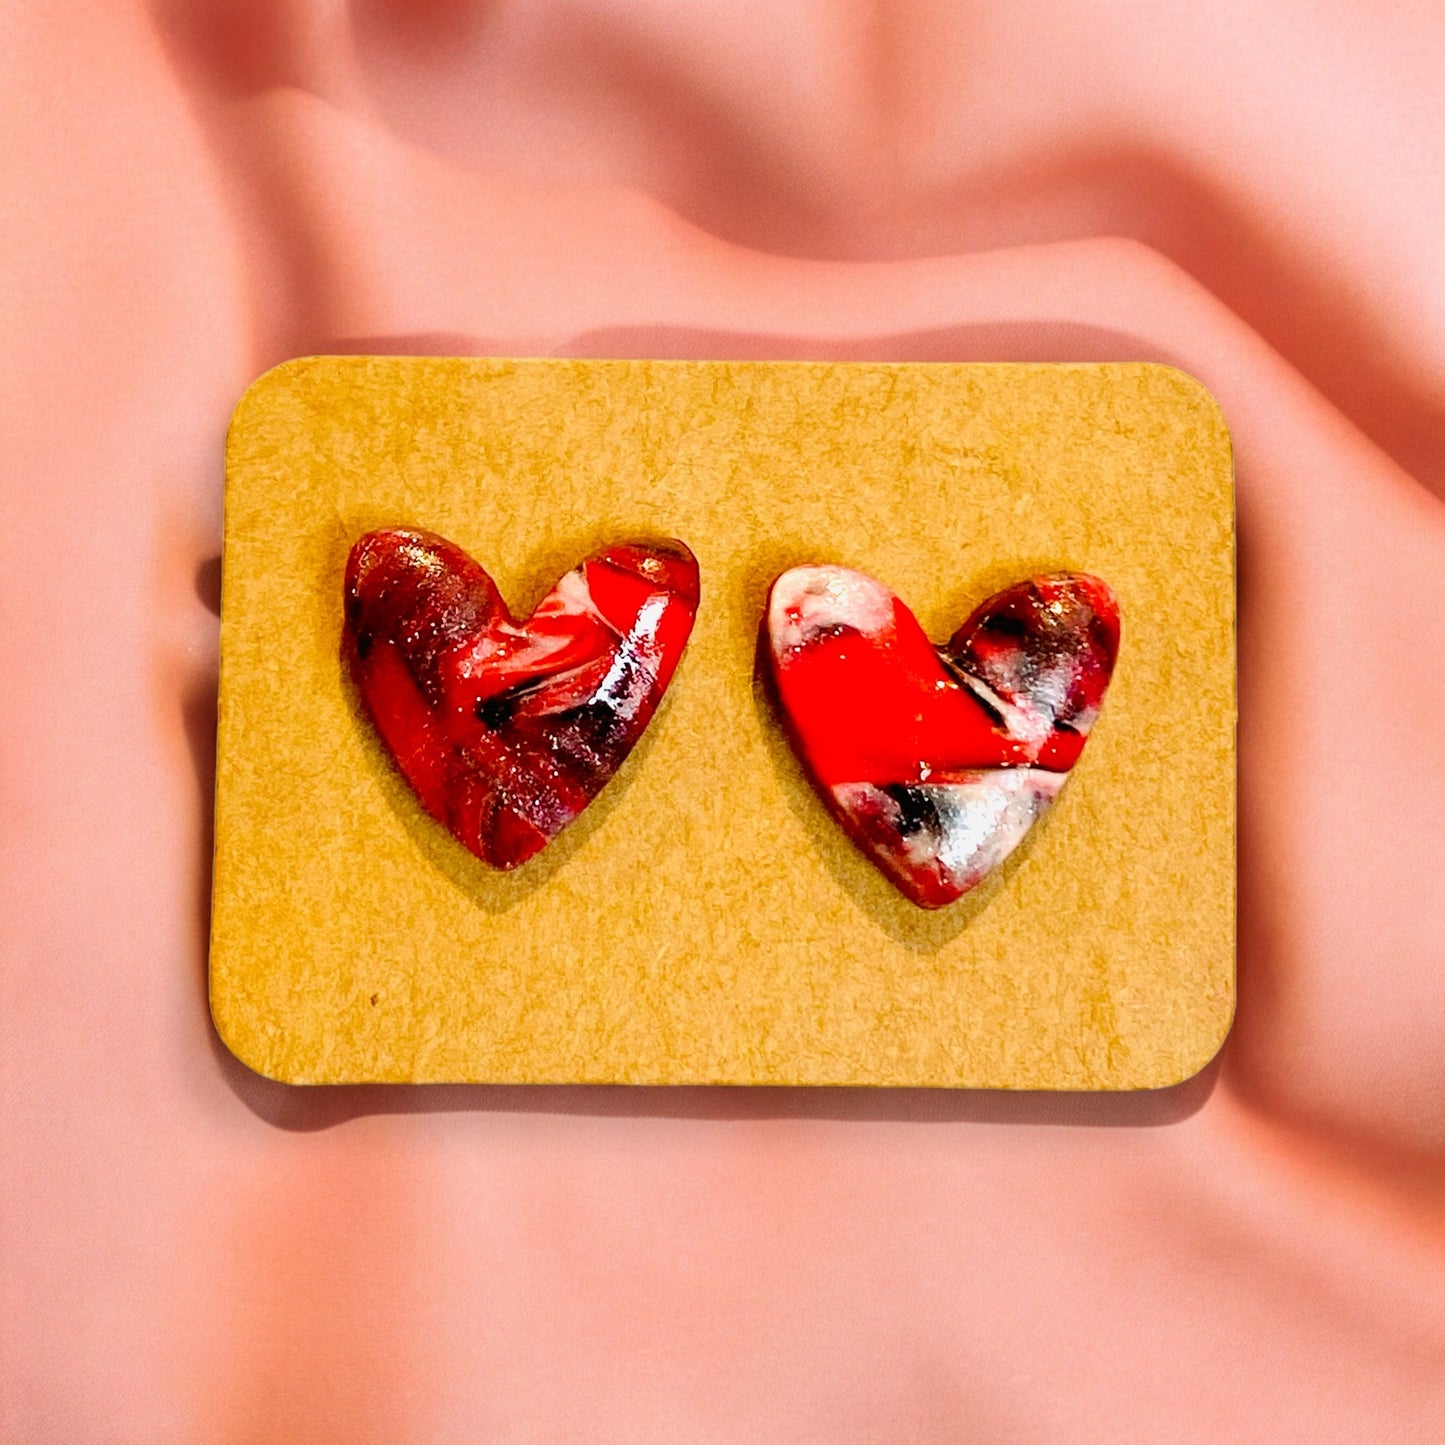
point(1251, 189)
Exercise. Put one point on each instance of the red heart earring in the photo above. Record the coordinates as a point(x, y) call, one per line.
point(938, 760)
point(506, 730)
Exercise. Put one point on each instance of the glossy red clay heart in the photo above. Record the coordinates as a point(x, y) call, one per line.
point(507, 729)
point(938, 760)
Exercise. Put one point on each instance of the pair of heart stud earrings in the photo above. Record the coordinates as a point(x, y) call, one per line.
point(936, 760)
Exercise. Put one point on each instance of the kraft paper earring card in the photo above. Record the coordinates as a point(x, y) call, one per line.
point(506, 792)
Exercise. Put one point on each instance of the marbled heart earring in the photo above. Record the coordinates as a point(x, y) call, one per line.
point(506, 729)
point(937, 760)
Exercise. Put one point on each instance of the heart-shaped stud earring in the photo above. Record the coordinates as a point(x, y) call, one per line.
point(506, 730)
point(938, 760)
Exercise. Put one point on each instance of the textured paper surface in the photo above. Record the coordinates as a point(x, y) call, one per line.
point(705, 921)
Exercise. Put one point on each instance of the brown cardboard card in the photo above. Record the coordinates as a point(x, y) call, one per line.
point(705, 920)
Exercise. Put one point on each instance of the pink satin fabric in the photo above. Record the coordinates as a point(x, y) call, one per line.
point(193, 191)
